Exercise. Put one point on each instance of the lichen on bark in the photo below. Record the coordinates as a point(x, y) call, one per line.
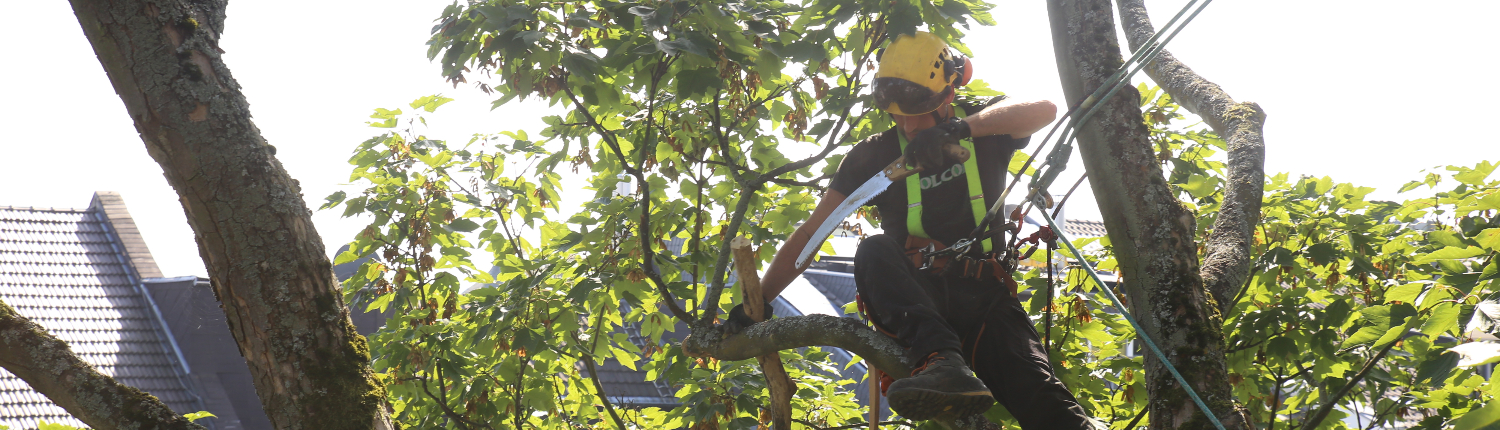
point(50, 367)
point(255, 234)
point(1152, 232)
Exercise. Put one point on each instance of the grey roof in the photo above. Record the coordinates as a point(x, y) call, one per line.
point(218, 372)
point(76, 273)
point(837, 286)
point(1076, 228)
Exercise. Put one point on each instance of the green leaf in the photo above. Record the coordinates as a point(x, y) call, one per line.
point(1450, 253)
point(194, 416)
point(345, 257)
point(1444, 317)
point(1363, 337)
point(584, 65)
point(1438, 369)
point(1405, 293)
point(1489, 201)
point(1200, 186)
point(1489, 238)
point(429, 103)
point(697, 81)
point(1322, 254)
point(463, 225)
point(1476, 175)
point(1485, 418)
point(1447, 238)
point(332, 200)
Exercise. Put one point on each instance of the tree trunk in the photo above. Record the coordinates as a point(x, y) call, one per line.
point(1151, 232)
point(49, 366)
point(1226, 264)
point(256, 236)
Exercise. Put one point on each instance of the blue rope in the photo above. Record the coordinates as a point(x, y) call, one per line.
point(1138, 330)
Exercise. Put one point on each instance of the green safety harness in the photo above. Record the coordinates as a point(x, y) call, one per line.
point(976, 191)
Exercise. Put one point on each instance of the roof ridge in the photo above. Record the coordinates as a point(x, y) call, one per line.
point(41, 209)
point(111, 206)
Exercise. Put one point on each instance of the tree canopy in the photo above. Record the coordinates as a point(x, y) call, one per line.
point(695, 106)
point(695, 123)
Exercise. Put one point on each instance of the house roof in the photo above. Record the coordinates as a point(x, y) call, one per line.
point(1076, 228)
point(76, 272)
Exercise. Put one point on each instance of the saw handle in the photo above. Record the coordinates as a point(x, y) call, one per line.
point(897, 170)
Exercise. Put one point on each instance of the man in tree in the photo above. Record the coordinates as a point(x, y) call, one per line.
point(945, 318)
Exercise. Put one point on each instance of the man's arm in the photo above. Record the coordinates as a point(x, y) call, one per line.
point(783, 268)
point(1017, 118)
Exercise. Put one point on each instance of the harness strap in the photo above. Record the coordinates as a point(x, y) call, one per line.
point(914, 211)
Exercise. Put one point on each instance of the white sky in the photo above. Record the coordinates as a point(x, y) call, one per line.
point(1369, 92)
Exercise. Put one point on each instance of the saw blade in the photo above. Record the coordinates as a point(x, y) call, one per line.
point(871, 188)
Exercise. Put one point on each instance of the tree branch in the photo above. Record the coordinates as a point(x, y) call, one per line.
point(588, 362)
point(1152, 232)
point(1317, 417)
point(878, 350)
point(50, 367)
point(710, 305)
point(777, 380)
point(1227, 262)
point(253, 229)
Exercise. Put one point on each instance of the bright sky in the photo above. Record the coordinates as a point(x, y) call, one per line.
point(1368, 92)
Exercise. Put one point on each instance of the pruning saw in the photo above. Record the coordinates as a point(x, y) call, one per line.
point(877, 184)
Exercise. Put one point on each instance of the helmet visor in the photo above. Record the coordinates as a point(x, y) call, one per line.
point(903, 97)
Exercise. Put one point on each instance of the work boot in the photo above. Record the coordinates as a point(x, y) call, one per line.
point(942, 386)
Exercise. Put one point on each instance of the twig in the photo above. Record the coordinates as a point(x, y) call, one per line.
point(1328, 406)
point(1136, 420)
point(594, 375)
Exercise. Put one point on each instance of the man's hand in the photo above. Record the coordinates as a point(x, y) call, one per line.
point(739, 320)
point(926, 148)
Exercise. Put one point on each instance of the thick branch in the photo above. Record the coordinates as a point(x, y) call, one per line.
point(1153, 234)
point(51, 368)
point(254, 231)
point(1227, 263)
point(876, 349)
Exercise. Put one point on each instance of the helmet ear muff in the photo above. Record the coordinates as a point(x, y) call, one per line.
point(964, 71)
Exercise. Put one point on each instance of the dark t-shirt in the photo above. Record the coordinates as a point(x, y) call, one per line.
point(947, 215)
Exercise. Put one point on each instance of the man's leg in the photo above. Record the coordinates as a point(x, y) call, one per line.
point(1009, 358)
point(904, 301)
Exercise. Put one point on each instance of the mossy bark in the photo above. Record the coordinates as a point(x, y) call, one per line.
point(254, 232)
point(1226, 261)
point(50, 367)
point(1151, 232)
point(877, 350)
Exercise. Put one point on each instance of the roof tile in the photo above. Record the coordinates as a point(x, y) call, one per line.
point(61, 269)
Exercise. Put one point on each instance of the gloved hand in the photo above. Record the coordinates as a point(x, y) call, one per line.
point(738, 319)
point(926, 148)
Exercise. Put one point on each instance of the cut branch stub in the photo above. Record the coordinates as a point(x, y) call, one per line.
point(777, 380)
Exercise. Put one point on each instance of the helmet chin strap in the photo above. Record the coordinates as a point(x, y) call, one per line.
point(938, 118)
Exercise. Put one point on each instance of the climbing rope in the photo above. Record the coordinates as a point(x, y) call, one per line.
point(1056, 162)
point(1064, 147)
point(1140, 332)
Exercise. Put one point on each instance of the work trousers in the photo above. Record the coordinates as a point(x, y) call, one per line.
point(980, 318)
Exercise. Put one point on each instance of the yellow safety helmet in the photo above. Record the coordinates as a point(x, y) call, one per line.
point(917, 74)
